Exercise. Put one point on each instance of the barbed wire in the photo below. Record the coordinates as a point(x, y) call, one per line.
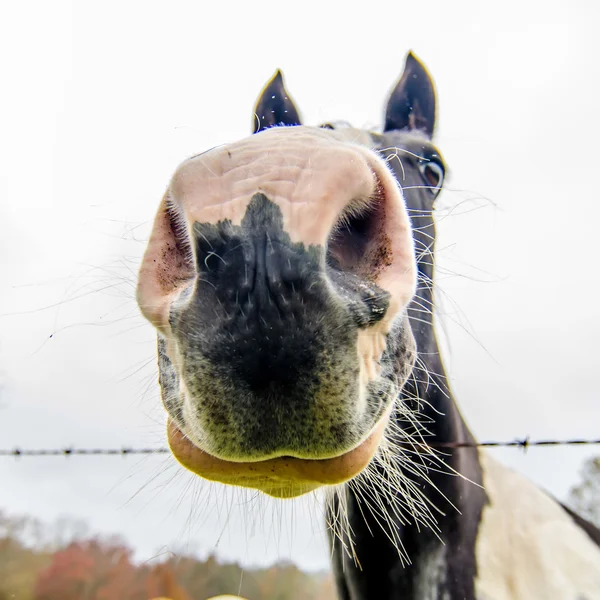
point(81, 451)
point(523, 443)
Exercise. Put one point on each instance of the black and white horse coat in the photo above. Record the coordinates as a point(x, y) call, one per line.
point(499, 537)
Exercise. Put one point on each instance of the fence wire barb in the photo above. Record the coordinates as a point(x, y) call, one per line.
point(523, 443)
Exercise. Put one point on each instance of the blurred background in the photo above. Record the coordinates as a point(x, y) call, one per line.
point(99, 104)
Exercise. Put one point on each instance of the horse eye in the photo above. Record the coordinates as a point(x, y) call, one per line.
point(433, 173)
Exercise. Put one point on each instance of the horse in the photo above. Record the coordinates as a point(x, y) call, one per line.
point(289, 276)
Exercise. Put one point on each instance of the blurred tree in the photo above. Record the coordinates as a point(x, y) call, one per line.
point(33, 568)
point(115, 574)
point(207, 578)
point(584, 497)
point(69, 575)
point(90, 570)
point(19, 563)
point(162, 582)
point(326, 588)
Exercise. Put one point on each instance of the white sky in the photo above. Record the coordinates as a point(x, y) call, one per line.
point(101, 101)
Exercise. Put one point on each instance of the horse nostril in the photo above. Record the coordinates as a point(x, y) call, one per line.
point(349, 239)
point(357, 243)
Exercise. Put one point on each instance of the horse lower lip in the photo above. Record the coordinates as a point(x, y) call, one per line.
point(282, 477)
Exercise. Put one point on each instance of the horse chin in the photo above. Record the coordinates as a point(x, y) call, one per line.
point(282, 477)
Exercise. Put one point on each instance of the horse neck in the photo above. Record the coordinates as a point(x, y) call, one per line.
point(428, 389)
point(381, 573)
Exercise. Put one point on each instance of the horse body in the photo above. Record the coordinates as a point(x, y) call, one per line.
point(306, 380)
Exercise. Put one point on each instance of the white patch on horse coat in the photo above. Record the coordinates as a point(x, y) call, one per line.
point(431, 574)
point(528, 547)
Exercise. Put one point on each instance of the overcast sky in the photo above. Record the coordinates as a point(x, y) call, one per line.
point(101, 101)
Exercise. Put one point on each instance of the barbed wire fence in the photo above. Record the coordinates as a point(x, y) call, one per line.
point(523, 443)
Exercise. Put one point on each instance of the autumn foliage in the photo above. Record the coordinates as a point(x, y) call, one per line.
point(92, 568)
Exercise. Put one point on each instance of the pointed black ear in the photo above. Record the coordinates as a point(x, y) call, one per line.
point(412, 103)
point(274, 106)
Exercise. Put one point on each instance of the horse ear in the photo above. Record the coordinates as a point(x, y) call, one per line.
point(412, 102)
point(274, 106)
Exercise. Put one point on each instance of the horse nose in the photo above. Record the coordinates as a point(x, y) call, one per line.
point(266, 296)
point(256, 265)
